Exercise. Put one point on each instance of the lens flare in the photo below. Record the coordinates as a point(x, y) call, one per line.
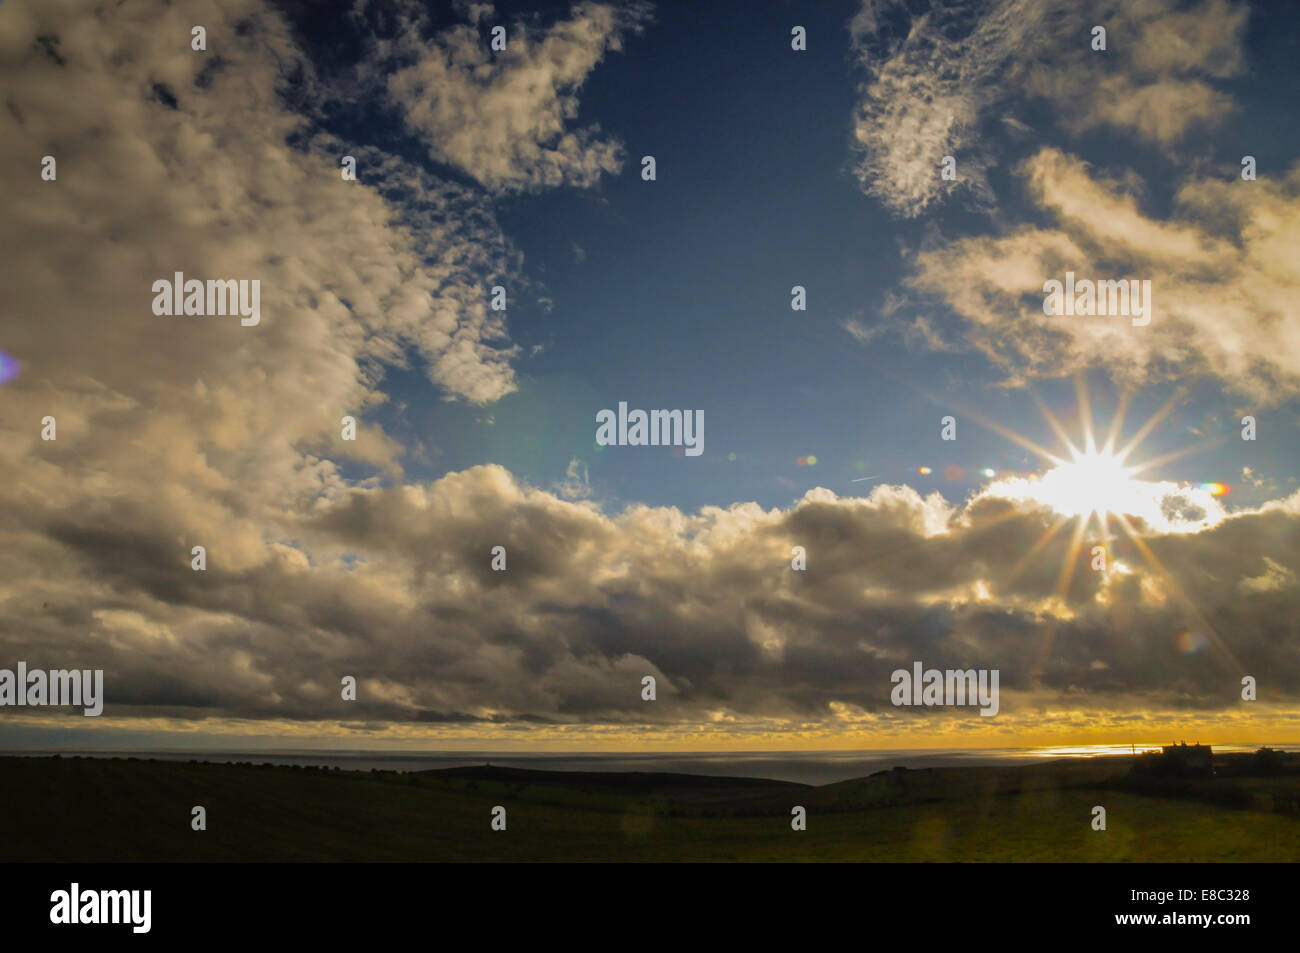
point(1216, 489)
point(9, 368)
point(924, 471)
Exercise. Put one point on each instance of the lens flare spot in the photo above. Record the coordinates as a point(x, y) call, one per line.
point(1216, 489)
point(1190, 643)
point(9, 367)
point(924, 471)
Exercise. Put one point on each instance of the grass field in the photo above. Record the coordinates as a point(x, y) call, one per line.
point(83, 809)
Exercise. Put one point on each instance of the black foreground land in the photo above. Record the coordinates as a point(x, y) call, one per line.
point(80, 809)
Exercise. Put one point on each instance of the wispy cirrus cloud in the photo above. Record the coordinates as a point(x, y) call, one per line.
point(930, 78)
point(937, 73)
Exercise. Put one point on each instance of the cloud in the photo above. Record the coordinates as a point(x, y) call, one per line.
point(861, 332)
point(1275, 577)
point(182, 431)
point(212, 188)
point(930, 77)
point(1151, 80)
point(175, 432)
point(394, 585)
point(938, 71)
point(1264, 486)
point(504, 117)
point(1223, 292)
point(576, 485)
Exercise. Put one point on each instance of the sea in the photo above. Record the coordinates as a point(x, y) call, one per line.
point(803, 767)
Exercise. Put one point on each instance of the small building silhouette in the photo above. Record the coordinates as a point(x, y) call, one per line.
point(1184, 760)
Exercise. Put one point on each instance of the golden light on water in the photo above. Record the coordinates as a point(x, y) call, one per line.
point(1092, 751)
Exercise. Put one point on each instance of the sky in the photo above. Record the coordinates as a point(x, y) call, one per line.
point(823, 428)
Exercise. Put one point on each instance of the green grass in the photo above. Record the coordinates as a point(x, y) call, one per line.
point(125, 810)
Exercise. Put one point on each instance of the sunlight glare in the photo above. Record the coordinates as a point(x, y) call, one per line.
point(1094, 482)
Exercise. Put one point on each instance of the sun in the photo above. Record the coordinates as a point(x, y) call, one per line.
point(1097, 490)
point(1093, 482)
